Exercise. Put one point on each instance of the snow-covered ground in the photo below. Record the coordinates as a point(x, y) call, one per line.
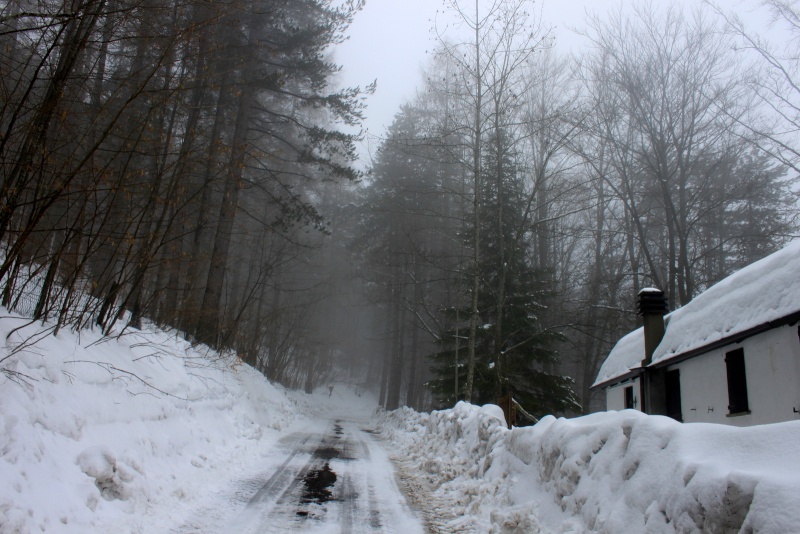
point(133, 434)
point(613, 472)
point(145, 434)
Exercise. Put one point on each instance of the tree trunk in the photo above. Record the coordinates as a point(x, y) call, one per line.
point(398, 345)
point(211, 308)
point(476, 216)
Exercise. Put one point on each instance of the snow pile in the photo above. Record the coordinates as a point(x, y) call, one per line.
point(125, 435)
point(111, 479)
point(607, 472)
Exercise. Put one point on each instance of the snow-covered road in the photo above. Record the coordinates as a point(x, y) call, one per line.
point(332, 477)
point(146, 433)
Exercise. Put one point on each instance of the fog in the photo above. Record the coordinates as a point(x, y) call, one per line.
point(477, 226)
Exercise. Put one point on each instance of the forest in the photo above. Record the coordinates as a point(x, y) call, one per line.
point(195, 165)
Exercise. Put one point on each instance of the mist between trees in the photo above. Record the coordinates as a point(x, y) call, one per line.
point(185, 164)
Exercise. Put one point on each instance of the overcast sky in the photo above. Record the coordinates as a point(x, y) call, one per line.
point(389, 39)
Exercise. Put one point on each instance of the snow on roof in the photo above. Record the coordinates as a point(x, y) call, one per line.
point(764, 291)
point(626, 354)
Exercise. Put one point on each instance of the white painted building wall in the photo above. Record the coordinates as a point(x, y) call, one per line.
point(615, 395)
point(772, 365)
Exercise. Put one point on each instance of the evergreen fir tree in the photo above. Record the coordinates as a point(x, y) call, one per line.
point(513, 354)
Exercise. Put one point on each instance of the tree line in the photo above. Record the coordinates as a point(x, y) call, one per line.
point(189, 164)
point(167, 161)
point(523, 198)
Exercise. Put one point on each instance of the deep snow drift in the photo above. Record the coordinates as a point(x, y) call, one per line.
point(607, 472)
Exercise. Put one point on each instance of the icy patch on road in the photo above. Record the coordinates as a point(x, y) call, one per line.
point(608, 472)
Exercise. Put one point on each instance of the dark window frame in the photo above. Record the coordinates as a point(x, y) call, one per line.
point(630, 400)
point(738, 402)
point(672, 393)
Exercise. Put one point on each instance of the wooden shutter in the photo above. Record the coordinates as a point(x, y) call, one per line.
point(737, 382)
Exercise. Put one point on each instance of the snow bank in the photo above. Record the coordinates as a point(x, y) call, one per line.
point(608, 472)
point(124, 435)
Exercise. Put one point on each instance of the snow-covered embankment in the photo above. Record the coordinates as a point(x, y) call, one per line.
point(125, 435)
point(607, 472)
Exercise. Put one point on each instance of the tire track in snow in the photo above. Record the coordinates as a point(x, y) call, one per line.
point(374, 513)
point(234, 501)
point(278, 478)
point(336, 480)
point(305, 497)
point(347, 497)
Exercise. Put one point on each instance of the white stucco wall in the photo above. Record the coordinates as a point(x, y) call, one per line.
point(615, 395)
point(772, 365)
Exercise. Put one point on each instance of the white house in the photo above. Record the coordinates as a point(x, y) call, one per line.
point(732, 355)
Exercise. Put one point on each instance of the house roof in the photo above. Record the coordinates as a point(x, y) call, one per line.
point(763, 292)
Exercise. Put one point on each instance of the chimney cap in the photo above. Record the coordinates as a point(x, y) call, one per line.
point(650, 290)
point(652, 301)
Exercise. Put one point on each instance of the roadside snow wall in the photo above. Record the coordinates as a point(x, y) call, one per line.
point(607, 472)
point(122, 435)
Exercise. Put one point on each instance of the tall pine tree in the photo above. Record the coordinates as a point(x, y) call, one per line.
point(513, 354)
